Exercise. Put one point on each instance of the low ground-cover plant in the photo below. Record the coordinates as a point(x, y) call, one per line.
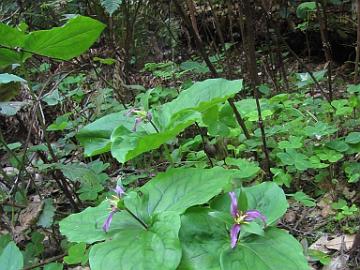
point(209, 205)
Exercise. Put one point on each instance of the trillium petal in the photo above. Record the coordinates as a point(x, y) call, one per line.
point(234, 234)
point(119, 191)
point(149, 116)
point(131, 111)
point(254, 214)
point(234, 205)
point(108, 220)
point(137, 122)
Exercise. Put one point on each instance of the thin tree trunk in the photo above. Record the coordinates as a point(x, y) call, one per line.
point(211, 67)
point(356, 76)
point(321, 13)
point(252, 68)
point(217, 25)
point(191, 7)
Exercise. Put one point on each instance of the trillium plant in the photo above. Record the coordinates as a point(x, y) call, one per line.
point(180, 218)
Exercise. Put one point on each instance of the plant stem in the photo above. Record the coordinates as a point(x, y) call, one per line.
point(137, 219)
point(252, 68)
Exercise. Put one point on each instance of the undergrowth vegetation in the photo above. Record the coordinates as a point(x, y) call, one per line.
point(123, 149)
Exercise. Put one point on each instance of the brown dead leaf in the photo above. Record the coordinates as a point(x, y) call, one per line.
point(290, 217)
point(349, 194)
point(27, 217)
point(31, 213)
point(336, 243)
point(320, 244)
point(326, 211)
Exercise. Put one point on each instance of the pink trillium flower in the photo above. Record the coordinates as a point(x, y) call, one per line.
point(140, 117)
point(120, 193)
point(241, 218)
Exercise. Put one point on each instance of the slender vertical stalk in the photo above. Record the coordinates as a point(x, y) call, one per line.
point(217, 25)
point(211, 67)
point(204, 143)
point(321, 14)
point(252, 68)
point(357, 58)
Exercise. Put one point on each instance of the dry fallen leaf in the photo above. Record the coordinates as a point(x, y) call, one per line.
point(27, 217)
point(320, 244)
point(31, 213)
point(336, 243)
point(290, 217)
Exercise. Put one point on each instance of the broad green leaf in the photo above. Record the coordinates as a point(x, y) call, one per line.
point(4, 241)
point(252, 228)
point(127, 144)
point(353, 138)
point(11, 37)
point(338, 145)
point(203, 236)
point(215, 127)
point(11, 258)
point(52, 98)
point(319, 129)
point(199, 97)
point(292, 157)
point(195, 67)
point(248, 109)
point(173, 117)
point(76, 254)
point(292, 143)
point(47, 215)
point(7, 78)
point(61, 123)
point(268, 198)
point(54, 266)
point(11, 107)
point(280, 177)
point(67, 41)
point(156, 248)
point(9, 57)
point(9, 86)
point(304, 9)
point(91, 177)
point(304, 199)
point(328, 154)
point(246, 168)
point(178, 189)
point(305, 79)
point(320, 256)
point(95, 137)
point(87, 226)
point(352, 170)
point(275, 250)
point(353, 89)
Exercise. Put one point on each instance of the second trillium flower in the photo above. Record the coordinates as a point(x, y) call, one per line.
point(241, 218)
point(114, 202)
point(140, 117)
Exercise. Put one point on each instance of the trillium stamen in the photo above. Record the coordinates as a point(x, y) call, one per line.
point(241, 218)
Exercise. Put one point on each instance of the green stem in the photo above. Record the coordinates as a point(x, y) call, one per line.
point(137, 219)
point(166, 148)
